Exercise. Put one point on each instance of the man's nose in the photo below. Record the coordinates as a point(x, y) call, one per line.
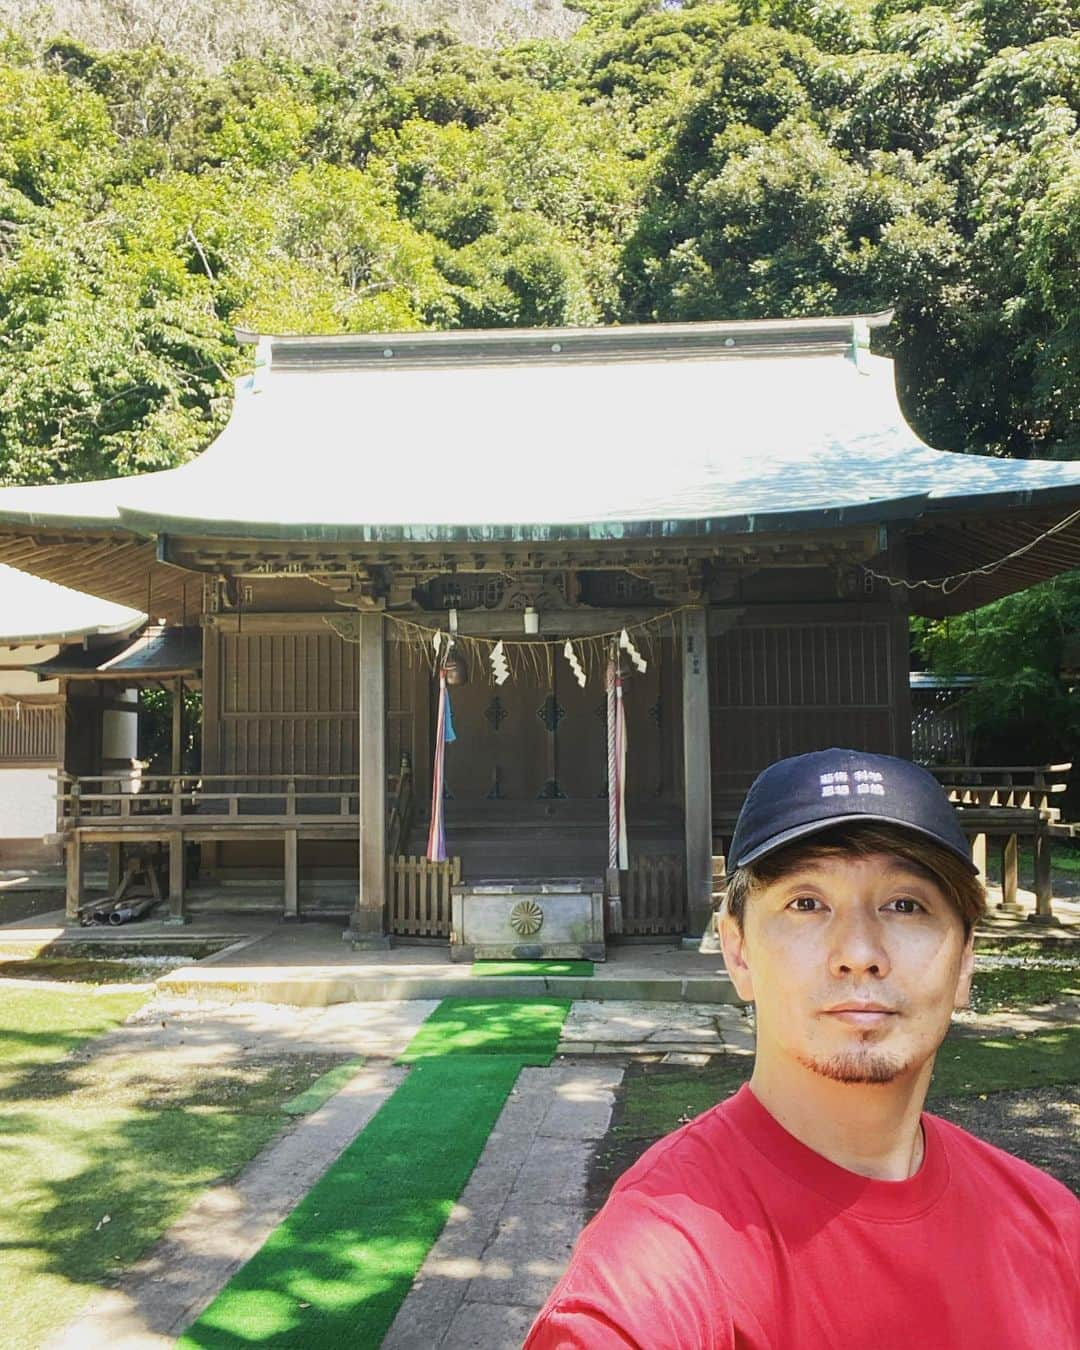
point(858, 944)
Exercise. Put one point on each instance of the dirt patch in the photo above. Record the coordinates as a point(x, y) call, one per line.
point(1040, 1125)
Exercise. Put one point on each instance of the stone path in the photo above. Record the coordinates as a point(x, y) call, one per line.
point(628, 1027)
point(510, 1235)
point(207, 1031)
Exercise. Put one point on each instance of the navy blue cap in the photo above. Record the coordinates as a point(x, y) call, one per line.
point(802, 796)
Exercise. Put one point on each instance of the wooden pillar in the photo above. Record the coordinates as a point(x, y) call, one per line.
point(209, 853)
point(176, 878)
point(176, 762)
point(75, 876)
point(978, 855)
point(116, 864)
point(697, 774)
point(1044, 893)
point(292, 882)
point(211, 699)
point(367, 926)
point(1009, 875)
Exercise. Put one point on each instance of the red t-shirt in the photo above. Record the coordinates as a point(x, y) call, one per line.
point(731, 1233)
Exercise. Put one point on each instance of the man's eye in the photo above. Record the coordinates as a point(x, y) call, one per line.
point(905, 905)
point(805, 904)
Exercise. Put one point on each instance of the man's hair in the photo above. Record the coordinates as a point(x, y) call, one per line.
point(963, 889)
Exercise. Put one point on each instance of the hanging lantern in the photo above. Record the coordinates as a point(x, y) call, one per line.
point(455, 668)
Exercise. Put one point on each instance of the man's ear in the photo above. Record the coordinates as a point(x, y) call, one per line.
point(967, 970)
point(733, 943)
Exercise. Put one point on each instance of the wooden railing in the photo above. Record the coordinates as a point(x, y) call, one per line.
point(418, 895)
point(88, 798)
point(1024, 787)
point(653, 893)
point(1009, 803)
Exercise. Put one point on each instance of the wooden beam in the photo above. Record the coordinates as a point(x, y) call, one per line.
point(367, 926)
point(1009, 875)
point(75, 877)
point(176, 878)
point(1044, 892)
point(292, 881)
point(978, 855)
point(211, 701)
point(697, 771)
point(177, 726)
point(115, 874)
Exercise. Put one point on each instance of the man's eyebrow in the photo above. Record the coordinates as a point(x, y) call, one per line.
point(817, 866)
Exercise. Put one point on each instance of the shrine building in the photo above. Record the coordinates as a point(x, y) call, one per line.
point(734, 520)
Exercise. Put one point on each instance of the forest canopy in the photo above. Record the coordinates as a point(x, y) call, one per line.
point(625, 163)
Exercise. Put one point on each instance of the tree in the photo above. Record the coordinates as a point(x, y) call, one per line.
point(1024, 710)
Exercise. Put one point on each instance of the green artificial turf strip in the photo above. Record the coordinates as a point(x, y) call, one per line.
point(335, 1272)
point(526, 1028)
point(532, 968)
point(322, 1089)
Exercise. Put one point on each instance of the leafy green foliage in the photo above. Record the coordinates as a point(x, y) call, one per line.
point(733, 158)
point(1025, 709)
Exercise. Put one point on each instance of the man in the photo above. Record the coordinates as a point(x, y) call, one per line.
point(819, 1207)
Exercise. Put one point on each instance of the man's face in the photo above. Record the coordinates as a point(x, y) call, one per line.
point(854, 965)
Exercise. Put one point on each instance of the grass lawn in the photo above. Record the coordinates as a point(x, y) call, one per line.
point(1022, 974)
point(101, 1154)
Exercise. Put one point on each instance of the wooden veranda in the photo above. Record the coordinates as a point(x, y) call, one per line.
point(1002, 806)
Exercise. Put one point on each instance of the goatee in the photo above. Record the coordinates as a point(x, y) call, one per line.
point(855, 1066)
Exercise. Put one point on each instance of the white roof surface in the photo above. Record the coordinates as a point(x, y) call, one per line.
point(33, 610)
point(605, 448)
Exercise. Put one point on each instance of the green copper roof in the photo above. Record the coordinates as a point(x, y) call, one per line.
point(621, 433)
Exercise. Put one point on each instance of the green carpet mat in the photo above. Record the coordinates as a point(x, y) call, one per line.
point(335, 1272)
point(526, 1028)
point(532, 968)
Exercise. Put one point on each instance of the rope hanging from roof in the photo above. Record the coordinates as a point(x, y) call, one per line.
point(947, 585)
point(534, 658)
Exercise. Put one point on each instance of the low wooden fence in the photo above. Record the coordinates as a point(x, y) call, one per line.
point(418, 895)
point(653, 892)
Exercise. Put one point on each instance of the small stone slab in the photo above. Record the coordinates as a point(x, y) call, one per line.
point(492, 1326)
